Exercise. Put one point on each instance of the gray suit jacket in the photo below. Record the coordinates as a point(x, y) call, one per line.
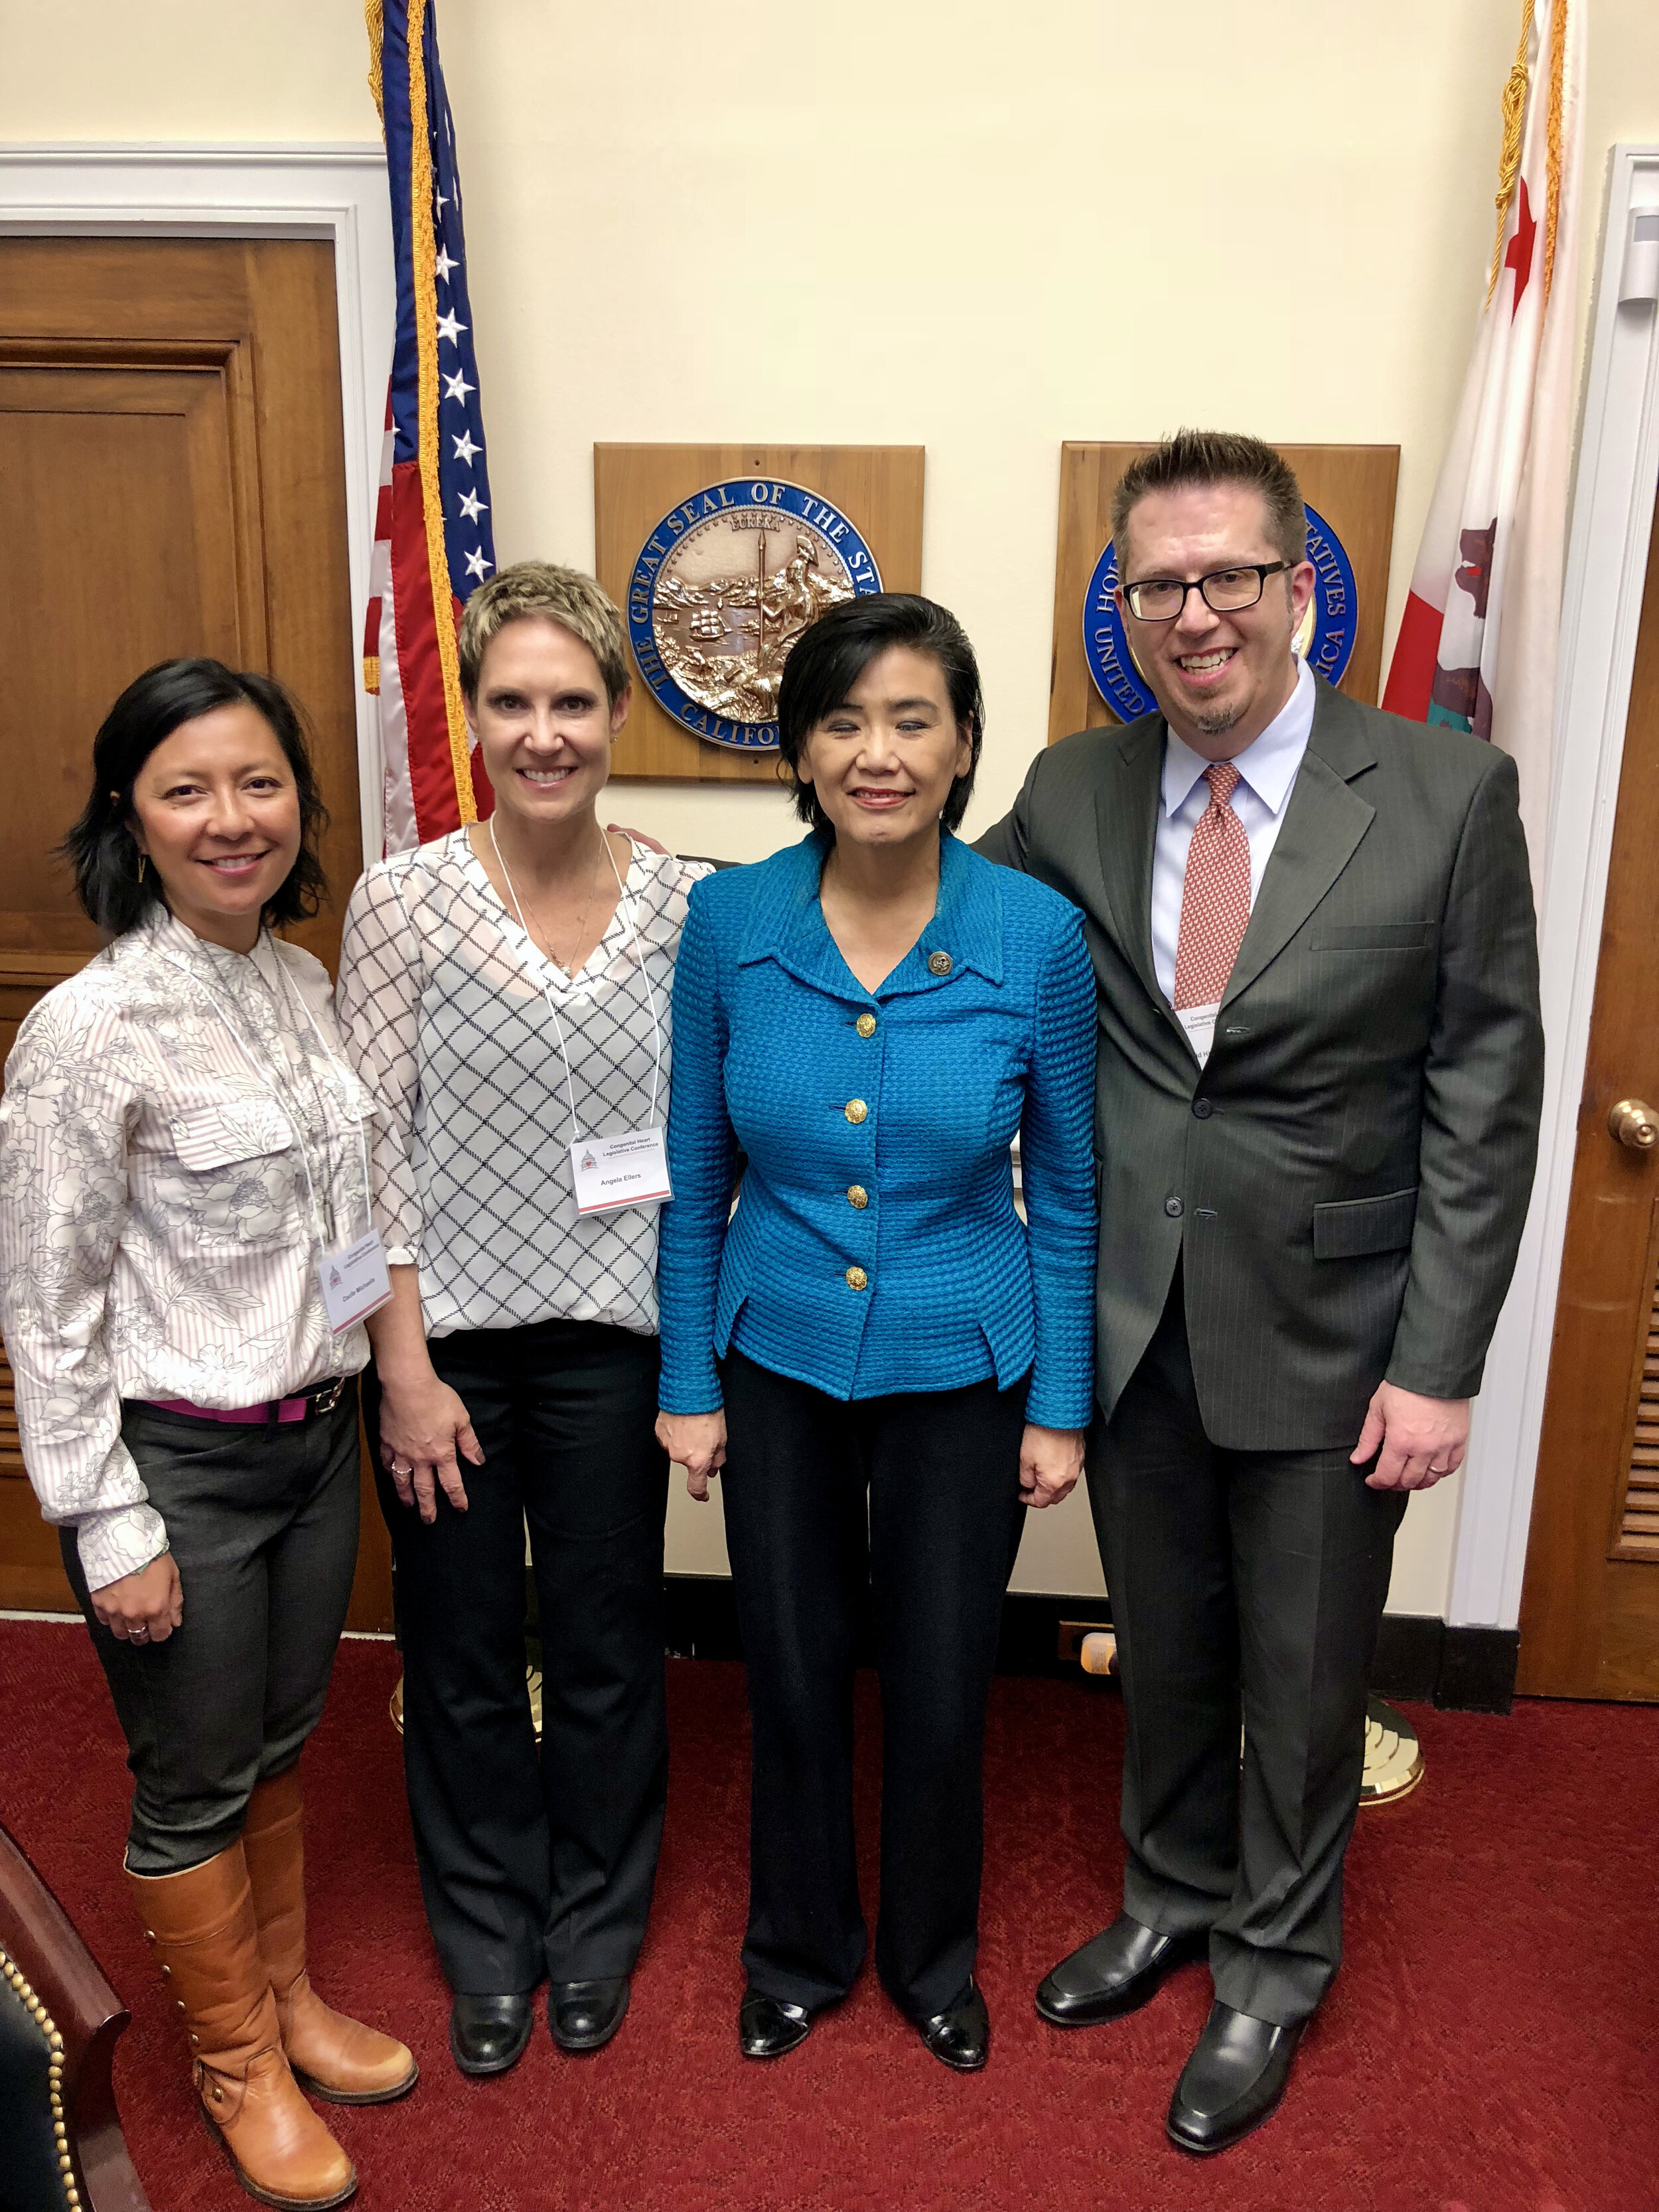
point(1347, 1179)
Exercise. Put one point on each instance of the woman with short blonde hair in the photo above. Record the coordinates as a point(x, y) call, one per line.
point(505, 991)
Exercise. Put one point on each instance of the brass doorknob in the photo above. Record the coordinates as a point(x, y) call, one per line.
point(1635, 1125)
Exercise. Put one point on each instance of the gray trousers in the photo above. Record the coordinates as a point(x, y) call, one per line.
point(1245, 1587)
point(263, 1524)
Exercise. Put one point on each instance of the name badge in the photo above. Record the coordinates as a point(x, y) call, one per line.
point(609, 1172)
point(356, 1281)
point(1198, 1021)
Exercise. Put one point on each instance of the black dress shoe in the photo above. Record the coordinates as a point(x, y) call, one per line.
point(960, 2035)
point(1234, 2079)
point(767, 2027)
point(1114, 1973)
point(584, 2014)
point(488, 2034)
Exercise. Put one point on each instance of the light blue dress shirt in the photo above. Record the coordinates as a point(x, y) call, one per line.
point(1266, 770)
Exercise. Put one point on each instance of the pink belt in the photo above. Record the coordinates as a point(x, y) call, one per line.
point(323, 1400)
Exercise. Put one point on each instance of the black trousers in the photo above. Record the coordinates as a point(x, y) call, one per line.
point(1245, 1587)
point(262, 1525)
point(913, 1499)
point(531, 1867)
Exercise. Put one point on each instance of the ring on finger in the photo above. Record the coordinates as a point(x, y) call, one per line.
point(402, 1471)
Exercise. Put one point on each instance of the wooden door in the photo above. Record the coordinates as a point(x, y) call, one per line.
point(1589, 1610)
point(172, 481)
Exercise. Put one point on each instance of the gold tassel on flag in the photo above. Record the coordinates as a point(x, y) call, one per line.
point(374, 18)
point(1509, 159)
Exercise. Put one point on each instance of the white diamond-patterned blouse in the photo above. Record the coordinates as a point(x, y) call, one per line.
point(443, 1002)
point(168, 1114)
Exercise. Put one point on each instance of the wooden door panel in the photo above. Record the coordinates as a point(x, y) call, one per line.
point(1590, 1609)
point(171, 438)
point(260, 314)
point(130, 552)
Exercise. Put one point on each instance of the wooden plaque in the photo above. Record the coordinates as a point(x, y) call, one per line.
point(1352, 487)
point(878, 488)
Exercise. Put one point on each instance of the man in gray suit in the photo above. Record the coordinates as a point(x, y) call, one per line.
point(1320, 1072)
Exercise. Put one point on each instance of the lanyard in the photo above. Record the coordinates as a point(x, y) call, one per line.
point(296, 997)
point(558, 1026)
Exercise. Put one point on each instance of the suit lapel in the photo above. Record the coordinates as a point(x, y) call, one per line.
point(1324, 822)
point(1126, 813)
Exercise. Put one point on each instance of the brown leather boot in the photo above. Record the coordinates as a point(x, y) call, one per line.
point(338, 2058)
point(200, 1926)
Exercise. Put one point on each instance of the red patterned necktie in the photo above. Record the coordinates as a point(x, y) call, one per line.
point(1215, 898)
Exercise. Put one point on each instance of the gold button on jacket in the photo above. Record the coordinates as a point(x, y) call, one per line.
point(857, 1279)
point(855, 1109)
point(865, 1025)
point(940, 962)
point(857, 1195)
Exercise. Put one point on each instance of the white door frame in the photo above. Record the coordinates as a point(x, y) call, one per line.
point(336, 192)
point(1606, 567)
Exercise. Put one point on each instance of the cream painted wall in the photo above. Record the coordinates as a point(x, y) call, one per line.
point(980, 229)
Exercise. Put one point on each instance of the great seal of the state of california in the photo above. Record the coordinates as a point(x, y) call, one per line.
point(1326, 640)
point(722, 589)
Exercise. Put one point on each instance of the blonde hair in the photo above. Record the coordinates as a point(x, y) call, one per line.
point(564, 596)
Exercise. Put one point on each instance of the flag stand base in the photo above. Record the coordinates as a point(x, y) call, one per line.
point(1394, 1757)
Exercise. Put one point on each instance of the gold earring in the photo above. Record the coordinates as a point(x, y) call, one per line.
point(141, 868)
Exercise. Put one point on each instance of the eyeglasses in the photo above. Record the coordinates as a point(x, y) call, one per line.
point(1228, 591)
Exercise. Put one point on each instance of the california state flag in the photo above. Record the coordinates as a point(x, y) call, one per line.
point(1477, 644)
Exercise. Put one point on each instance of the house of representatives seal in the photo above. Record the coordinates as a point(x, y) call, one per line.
point(1325, 641)
point(722, 588)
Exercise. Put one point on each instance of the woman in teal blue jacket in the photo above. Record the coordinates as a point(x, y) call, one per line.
point(888, 1363)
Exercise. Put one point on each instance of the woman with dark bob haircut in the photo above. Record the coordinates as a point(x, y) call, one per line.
point(884, 1360)
point(187, 1165)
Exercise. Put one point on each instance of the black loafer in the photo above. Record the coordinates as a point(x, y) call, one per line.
point(584, 2014)
point(767, 2027)
point(1114, 1973)
point(1234, 2079)
point(488, 2034)
point(960, 2035)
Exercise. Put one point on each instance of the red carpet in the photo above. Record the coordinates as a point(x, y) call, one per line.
point(1492, 2046)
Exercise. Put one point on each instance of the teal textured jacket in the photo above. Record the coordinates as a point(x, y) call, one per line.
point(876, 1246)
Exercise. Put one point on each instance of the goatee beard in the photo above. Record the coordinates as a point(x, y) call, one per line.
point(1217, 722)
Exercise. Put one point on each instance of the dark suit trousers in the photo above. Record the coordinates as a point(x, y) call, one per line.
point(531, 1866)
point(1245, 1585)
point(912, 1501)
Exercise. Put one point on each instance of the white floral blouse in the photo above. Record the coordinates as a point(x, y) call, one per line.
point(175, 1139)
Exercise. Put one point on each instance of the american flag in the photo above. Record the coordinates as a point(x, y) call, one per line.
point(433, 539)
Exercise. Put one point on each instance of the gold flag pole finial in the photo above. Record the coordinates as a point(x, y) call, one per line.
point(374, 18)
point(1509, 159)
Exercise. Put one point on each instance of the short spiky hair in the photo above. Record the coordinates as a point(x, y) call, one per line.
point(1212, 456)
point(565, 596)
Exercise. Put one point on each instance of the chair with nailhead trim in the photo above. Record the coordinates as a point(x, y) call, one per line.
point(61, 2146)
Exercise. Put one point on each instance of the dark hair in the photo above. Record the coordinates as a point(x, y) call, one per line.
point(827, 660)
point(1212, 456)
point(102, 848)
